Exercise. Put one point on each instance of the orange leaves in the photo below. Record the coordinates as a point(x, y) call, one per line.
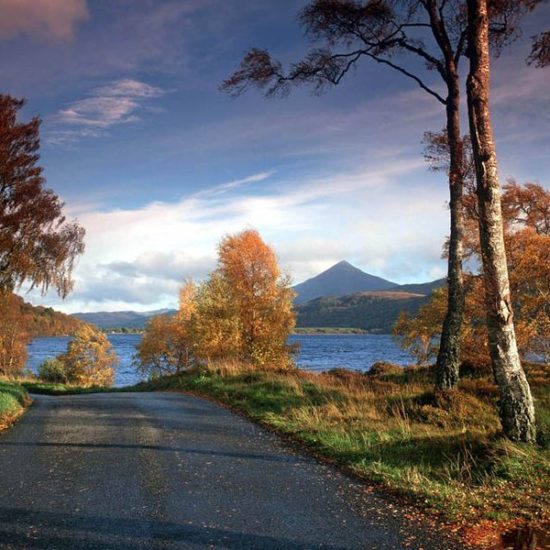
point(242, 312)
point(419, 334)
point(89, 359)
point(260, 297)
point(526, 211)
point(36, 244)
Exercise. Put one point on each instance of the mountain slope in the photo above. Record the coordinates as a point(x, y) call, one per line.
point(36, 321)
point(119, 319)
point(372, 311)
point(339, 280)
point(422, 288)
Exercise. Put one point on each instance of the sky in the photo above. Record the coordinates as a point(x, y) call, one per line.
point(158, 165)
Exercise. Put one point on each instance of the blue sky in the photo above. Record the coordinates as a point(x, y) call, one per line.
point(158, 165)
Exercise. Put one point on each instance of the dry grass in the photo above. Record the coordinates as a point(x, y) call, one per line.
point(445, 450)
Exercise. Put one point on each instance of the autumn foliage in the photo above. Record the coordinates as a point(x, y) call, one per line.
point(167, 346)
point(526, 212)
point(37, 245)
point(13, 337)
point(242, 312)
point(20, 322)
point(89, 359)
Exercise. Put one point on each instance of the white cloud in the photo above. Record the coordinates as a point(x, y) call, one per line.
point(116, 103)
point(233, 185)
point(54, 19)
point(137, 258)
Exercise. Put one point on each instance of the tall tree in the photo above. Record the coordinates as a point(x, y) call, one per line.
point(378, 30)
point(516, 403)
point(37, 244)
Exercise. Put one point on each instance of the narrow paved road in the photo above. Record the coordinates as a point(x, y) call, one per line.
point(164, 470)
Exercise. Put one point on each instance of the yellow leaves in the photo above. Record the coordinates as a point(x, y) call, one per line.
point(420, 334)
point(166, 345)
point(526, 210)
point(259, 297)
point(89, 359)
point(242, 312)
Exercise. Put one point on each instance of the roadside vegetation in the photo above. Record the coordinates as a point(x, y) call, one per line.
point(14, 399)
point(444, 449)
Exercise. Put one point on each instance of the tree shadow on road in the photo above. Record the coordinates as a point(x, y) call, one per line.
point(21, 528)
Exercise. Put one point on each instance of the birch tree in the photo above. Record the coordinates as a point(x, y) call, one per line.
point(517, 410)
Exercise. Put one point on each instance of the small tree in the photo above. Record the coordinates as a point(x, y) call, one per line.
point(262, 297)
point(89, 359)
point(13, 336)
point(244, 310)
point(167, 345)
point(53, 370)
point(164, 347)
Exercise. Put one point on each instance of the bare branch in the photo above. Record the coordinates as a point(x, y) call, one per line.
point(540, 50)
point(404, 71)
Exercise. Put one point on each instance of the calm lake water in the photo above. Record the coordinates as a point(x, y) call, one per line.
point(317, 352)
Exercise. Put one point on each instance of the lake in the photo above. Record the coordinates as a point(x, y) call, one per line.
point(317, 352)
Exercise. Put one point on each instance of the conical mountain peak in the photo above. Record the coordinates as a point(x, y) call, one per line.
point(342, 278)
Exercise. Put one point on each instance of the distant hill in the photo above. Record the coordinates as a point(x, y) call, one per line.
point(342, 296)
point(120, 319)
point(371, 311)
point(339, 280)
point(422, 288)
point(39, 320)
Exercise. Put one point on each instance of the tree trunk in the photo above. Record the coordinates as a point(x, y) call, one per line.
point(448, 358)
point(517, 411)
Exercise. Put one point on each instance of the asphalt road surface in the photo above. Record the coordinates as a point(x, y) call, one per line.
point(166, 470)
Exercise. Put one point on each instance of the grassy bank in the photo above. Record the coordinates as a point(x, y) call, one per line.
point(51, 388)
point(13, 401)
point(446, 451)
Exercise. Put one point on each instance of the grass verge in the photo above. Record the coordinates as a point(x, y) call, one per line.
point(50, 388)
point(444, 451)
point(14, 399)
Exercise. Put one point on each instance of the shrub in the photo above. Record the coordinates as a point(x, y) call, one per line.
point(89, 359)
point(382, 368)
point(53, 370)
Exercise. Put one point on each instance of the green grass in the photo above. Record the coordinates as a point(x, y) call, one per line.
point(51, 388)
point(13, 400)
point(445, 451)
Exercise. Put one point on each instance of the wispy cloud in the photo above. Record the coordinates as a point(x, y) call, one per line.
point(55, 19)
point(233, 185)
point(110, 105)
point(136, 258)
